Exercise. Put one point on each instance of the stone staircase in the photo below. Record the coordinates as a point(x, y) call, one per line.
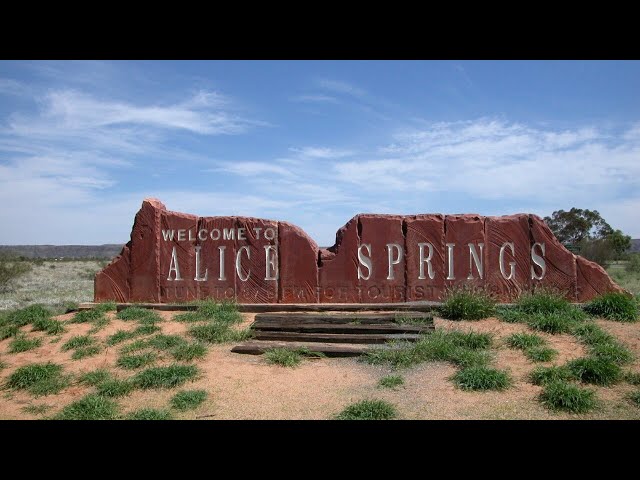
point(335, 334)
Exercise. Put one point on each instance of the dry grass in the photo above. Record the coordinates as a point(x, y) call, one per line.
point(247, 387)
point(52, 283)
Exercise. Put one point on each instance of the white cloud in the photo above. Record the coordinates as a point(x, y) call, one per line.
point(321, 152)
point(315, 98)
point(251, 169)
point(340, 87)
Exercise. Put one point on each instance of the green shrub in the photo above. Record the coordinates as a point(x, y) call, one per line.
point(391, 381)
point(633, 266)
point(544, 375)
point(11, 268)
point(542, 302)
point(131, 362)
point(598, 371)
point(540, 354)
point(90, 407)
point(482, 378)
point(559, 395)
point(524, 341)
point(165, 377)
point(149, 414)
point(467, 304)
point(369, 410)
point(188, 399)
point(614, 306)
point(21, 344)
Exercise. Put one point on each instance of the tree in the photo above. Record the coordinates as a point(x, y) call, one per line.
point(620, 243)
point(585, 232)
point(576, 225)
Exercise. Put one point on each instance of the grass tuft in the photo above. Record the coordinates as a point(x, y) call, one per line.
point(632, 378)
point(91, 407)
point(634, 398)
point(132, 362)
point(165, 377)
point(87, 316)
point(598, 371)
point(77, 341)
point(560, 395)
point(21, 344)
point(189, 351)
point(545, 375)
point(84, 352)
point(48, 325)
point(106, 307)
point(188, 399)
point(115, 388)
point(391, 381)
point(614, 306)
point(38, 379)
point(541, 354)
point(545, 302)
point(149, 414)
point(482, 378)
point(369, 410)
point(218, 333)
point(95, 377)
point(460, 348)
point(553, 323)
point(27, 315)
point(143, 315)
point(289, 357)
point(467, 304)
point(36, 409)
point(523, 341)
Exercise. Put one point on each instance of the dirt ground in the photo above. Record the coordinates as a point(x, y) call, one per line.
point(246, 387)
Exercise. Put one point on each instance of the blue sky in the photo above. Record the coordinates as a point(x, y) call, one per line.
point(312, 142)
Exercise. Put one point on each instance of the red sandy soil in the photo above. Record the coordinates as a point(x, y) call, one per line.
point(246, 387)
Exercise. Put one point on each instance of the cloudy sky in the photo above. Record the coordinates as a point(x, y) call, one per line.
point(314, 142)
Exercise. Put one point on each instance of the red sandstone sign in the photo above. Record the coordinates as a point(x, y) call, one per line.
point(376, 259)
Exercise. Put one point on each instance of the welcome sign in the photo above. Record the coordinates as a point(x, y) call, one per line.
point(174, 257)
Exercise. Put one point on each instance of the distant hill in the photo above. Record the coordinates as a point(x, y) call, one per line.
point(64, 251)
point(635, 245)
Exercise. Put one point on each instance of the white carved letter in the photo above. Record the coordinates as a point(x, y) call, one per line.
point(450, 275)
point(173, 266)
point(198, 278)
point(238, 269)
point(473, 258)
point(392, 262)
point(271, 260)
point(426, 260)
point(222, 276)
point(366, 261)
point(538, 260)
point(512, 265)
